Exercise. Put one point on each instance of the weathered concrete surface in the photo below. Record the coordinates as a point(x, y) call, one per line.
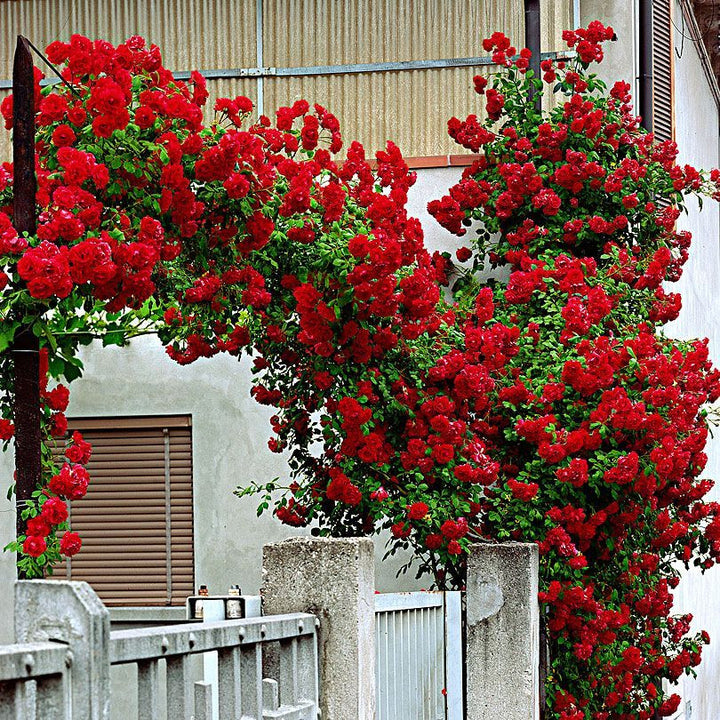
point(72, 613)
point(332, 578)
point(503, 632)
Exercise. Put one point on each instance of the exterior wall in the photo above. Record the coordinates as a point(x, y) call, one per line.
point(696, 121)
point(620, 61)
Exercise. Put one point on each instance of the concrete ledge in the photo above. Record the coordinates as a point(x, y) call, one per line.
point(146, 614)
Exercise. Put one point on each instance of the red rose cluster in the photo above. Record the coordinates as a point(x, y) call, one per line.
point(597, 422)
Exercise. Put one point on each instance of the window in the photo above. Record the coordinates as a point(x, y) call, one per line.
point(662, 70)
point(136, 521)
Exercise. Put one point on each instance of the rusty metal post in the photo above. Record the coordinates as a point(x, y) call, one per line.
point(26, 359)
point(532, 41)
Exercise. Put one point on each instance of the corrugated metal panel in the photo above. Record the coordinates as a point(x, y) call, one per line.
point(359, 31)
point(416, 679)
point(554, 18)
point(136, 520)
point(409, 107)
point(190, 33)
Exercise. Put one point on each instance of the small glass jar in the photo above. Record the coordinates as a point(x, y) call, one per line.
point(233, 608)
point(199, 604)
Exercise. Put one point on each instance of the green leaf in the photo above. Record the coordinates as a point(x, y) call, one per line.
point(117, 337)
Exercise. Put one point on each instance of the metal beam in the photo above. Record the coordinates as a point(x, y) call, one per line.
point(532, 40)
point(26, 359)
point(310, 70)
point(646, 71)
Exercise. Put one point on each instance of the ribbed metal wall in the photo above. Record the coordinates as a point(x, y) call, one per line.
point(190, 33)
point(409, 107)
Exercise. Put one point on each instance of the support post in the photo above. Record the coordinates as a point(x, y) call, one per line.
point(333, 578)
point(71, 613)
point(503, 632)
point(532, 40)
point(26, 361)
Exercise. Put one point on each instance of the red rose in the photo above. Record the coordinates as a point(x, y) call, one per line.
point(54, 511)
point(58, 398)
point(480, 82)
point(144, 117)
point(38, 526)
point(63, 136)
point(70, 544)
point(417, 511)
point(523, 491)
point(34, 546)
point(7, 429)
point(433, 541)
point(79, 451)
point(443, 454)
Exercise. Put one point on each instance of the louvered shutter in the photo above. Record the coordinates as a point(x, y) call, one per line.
point(136, 521)
point(662, 70)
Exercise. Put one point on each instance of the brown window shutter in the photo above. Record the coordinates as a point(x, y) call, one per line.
point(662, 61)
point(136, 521)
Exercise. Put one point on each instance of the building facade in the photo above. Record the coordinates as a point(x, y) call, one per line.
point(172, 442)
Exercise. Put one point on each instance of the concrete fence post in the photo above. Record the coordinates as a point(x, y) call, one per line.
point(333, 578)
point(503, 632)
point(71, 613)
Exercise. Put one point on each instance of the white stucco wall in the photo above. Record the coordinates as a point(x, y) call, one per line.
point(696, 119)
point(620, 62)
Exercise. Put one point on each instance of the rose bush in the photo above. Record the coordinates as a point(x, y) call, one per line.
point(599, 421)
point(228, 237)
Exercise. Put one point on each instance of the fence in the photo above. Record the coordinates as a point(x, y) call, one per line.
point(64, 677)
point(318, 639)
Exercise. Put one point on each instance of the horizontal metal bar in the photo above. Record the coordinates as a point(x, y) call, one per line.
point(398, 66)
point(391, 602)
point(32, 660)
point(127, 646)
point(310, 70)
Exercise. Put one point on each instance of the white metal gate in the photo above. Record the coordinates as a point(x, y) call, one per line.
point(419, 658)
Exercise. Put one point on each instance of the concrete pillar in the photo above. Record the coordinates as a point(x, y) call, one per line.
point(333, 578)
point(70, 612)
point(503, 632)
